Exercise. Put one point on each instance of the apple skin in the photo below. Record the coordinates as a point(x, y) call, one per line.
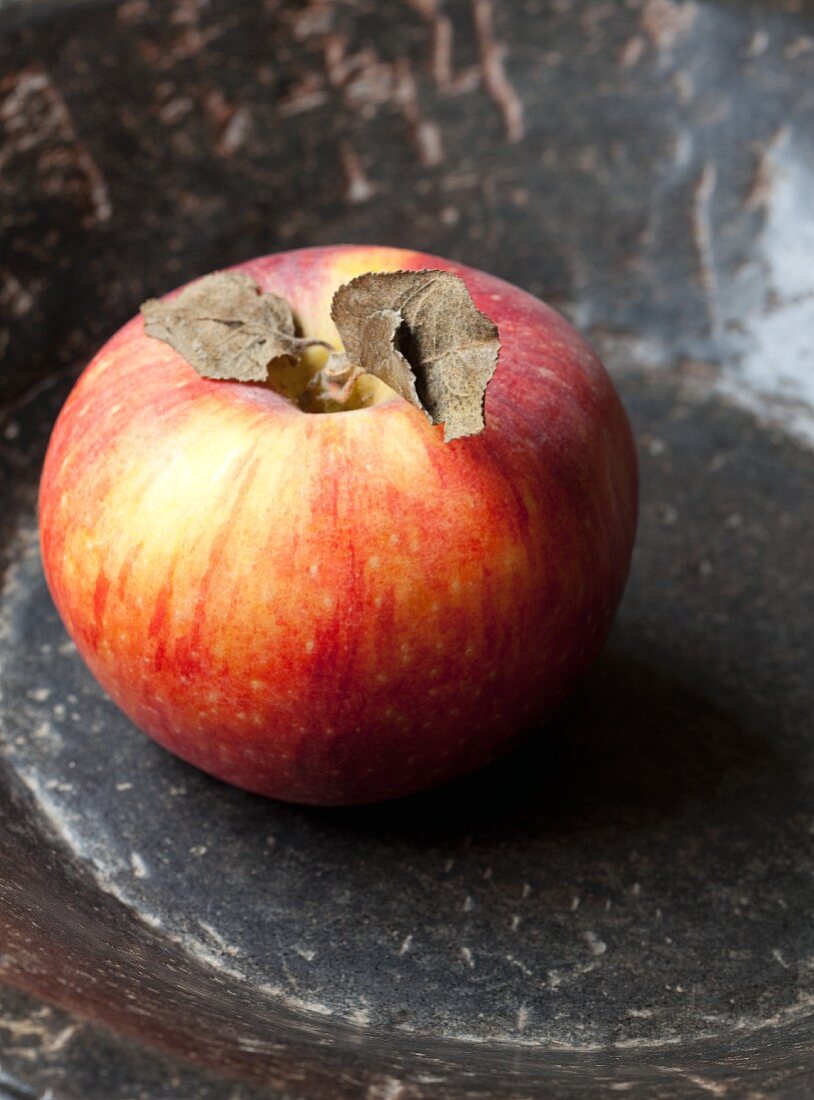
point(339, 608)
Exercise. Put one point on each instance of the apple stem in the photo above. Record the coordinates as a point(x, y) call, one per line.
point(332, 388)
point(305, 342)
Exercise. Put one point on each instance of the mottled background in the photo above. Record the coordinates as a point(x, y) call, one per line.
point(646, 165)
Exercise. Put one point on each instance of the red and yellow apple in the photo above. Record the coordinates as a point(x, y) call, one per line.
point(339, 607)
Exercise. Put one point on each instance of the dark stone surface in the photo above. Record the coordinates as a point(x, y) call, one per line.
point(625, 904)
point(76, 1061)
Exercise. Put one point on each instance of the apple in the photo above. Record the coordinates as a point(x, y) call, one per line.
point(337, 608)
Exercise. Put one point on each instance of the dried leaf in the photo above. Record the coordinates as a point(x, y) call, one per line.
point(421, 333)
point(225, 327)
point(380, 354)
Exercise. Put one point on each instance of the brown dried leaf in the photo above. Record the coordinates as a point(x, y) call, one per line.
point(225, 327)
point(421, 333)
point(380, 354)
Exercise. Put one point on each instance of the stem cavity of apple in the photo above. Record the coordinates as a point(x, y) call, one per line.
point(333, 388)
point(418, 332)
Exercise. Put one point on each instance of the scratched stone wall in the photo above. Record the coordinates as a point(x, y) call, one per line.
point(643, 166)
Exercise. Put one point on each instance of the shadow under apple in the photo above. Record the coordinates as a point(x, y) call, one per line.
point(632, 746)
